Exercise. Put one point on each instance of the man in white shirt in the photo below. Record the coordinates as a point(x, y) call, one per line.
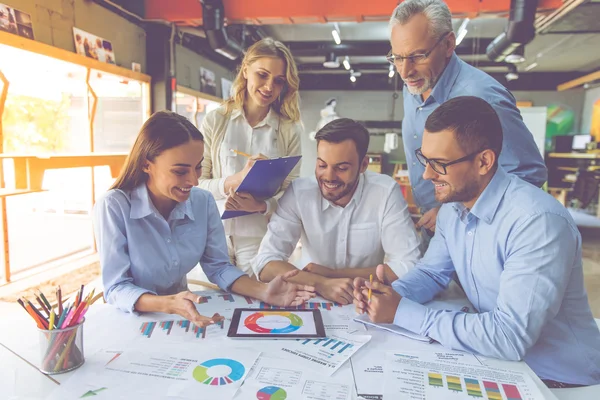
point(349, 219)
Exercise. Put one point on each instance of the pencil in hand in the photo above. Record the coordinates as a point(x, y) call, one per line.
point(370, 285)
point(241, 153)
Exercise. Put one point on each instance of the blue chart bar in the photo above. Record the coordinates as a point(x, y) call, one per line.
point(327, 342)
point(346, 346)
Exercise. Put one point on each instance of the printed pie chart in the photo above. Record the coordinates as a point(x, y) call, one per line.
point(204, 374)
point(252, 322)
point(271, 393)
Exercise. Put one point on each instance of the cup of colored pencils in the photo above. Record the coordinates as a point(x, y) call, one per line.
point(60, 330)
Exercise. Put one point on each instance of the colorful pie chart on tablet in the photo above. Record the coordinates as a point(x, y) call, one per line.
point(219, 371)
point(271, 393)
point(273, 322)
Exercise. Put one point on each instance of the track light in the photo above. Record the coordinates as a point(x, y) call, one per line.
point(392, 72)
point(331, 61)
point(346, 63)
point(512, 73)
point(336, 34)
point(352, 78)
point(462, 31)
point(517, 56)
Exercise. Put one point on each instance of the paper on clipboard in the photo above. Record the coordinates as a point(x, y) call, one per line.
point(264, 179)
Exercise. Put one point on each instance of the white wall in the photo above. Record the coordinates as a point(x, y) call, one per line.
point(380, 106)
point(591, 96)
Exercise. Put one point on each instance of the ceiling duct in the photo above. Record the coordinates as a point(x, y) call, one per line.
point(520, 30)
point(213, 22)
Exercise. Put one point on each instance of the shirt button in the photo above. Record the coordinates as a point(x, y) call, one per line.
point(415, 136)
point(175, 263)
point(168, 240)
point(414, 163)
point(470, 233)
point(420, 108)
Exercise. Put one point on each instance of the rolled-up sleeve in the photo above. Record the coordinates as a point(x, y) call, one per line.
point(541, 253)
point(111, 241)
point(283, 233)
point(399, 238)
point(215, 260)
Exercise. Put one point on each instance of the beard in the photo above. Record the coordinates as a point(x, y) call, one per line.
point(343, 191)
point(464, 194)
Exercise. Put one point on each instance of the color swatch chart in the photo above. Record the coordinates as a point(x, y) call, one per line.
point(311, 305)
point(180, 329)
point(475, 388)
point(331, 344)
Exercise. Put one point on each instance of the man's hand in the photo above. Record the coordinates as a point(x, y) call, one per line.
point(384, 302)
point(319, 270)
point(244, 202)
point(183, 304)
point(338, 289)
point(427, 221)
point(282, 293)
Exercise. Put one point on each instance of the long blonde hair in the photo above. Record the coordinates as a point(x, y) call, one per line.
point(287, 105)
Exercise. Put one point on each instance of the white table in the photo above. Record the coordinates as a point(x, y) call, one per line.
point(29, 383)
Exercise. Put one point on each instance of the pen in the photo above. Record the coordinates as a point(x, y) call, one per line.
point(370, 284)
point(241, 153)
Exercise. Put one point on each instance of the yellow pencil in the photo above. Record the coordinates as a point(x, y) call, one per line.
point(241, 153)
point(371, 284)
point(51, 322)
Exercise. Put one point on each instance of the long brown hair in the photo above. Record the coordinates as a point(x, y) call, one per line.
point(162, 131)
point(288, 104)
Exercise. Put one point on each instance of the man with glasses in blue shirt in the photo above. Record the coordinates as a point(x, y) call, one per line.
point(515, 250)
point(423, 46)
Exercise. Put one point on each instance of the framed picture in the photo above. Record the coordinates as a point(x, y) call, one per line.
point(15, 21)
point(225, 88)
point(93, 46)
point(208, 81)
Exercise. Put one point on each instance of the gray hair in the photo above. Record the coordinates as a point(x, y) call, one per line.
point(436, 11)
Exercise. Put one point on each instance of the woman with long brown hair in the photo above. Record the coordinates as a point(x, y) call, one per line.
point(153, 226)
point(262, 117)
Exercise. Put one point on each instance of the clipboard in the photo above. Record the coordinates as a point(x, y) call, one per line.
point(263, 180)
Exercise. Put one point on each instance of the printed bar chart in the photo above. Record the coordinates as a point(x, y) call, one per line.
point(492, 390)
point(227, 297)
point(147, 328)
point(204, 299)
point(473, 388)
point(332, 344)
point(511, 391)
point(435, 379)
point(454, 383)
point(306, 306)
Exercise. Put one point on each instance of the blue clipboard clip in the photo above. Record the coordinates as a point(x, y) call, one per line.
point(264, 180)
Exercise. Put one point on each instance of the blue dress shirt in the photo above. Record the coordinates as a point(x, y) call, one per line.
point(517, 254)
point(519, 156)
point(141, 253)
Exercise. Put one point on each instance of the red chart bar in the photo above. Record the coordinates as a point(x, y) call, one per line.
point(511, 391)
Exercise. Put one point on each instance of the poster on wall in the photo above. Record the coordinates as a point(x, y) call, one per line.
point(208, 81)
point(93, 46)
point(225, 88)
point(15, 21)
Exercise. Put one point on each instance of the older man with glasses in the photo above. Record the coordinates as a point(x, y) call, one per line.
point(423, 53)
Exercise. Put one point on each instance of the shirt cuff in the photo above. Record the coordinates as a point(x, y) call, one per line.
point(222, 187)
point(228, 277)
point(125, 299)
point(269, 209)
point(410, 315)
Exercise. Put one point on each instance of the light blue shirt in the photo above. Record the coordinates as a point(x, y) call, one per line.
point(517, 254)
point(141, 253)
point(519, 156)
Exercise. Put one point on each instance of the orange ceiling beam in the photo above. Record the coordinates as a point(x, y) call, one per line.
point(314, 11)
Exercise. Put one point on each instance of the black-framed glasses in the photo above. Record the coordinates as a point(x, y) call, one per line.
point(415, 58)
point(438, 166)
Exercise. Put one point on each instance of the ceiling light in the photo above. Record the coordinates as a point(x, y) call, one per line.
point(531, 66)
point(346, 63)
point(517, 56)
point(462, 31)
point(352, 78)
point(336, 34)
point(392, 72)
point(512, 73)
point(331, 61)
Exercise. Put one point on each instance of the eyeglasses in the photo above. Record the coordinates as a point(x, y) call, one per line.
point(440, 167)
point(415, 58)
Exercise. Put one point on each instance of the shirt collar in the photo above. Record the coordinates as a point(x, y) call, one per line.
point(442, 88)
point(141, 205)
point(356, 197)
point(487, 204)
point(271, 119)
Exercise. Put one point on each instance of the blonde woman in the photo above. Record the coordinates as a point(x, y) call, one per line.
point(261, 118)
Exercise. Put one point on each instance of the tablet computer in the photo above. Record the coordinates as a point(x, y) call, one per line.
point(252, 323)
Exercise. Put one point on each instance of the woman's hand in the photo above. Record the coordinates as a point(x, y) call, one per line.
point(183, 304)
point(282, 293)
point(235, 180)
point(244, 202)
